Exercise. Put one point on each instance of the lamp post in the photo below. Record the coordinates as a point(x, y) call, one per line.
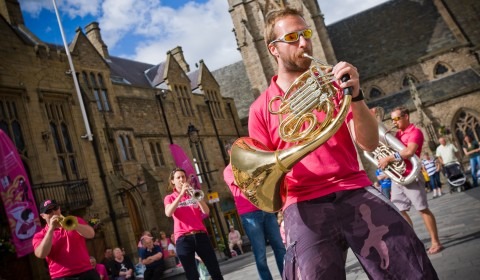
point(195, 139)
point(161, 95)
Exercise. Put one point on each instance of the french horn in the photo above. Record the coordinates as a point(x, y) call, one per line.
point(389, 145)
point(259, 172)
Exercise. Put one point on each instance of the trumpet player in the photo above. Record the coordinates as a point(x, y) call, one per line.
point(64, 250)
point(414, 193)
point(330, 203)
point(191, 236)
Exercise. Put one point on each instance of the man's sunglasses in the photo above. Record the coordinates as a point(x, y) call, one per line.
point(396, 119)
point(49, 211)
point(294, 36)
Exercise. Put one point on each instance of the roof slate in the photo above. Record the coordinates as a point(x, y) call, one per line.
point(390, 36)
point(132, 71)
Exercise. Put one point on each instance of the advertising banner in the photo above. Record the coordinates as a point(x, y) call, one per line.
point(183, 161)
point(17, 198)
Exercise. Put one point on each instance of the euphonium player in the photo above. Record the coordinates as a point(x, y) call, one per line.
point(330, 204)
point(404, 196)
point(64, 250)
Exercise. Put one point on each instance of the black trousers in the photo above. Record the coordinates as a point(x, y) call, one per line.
point(154, 273)
point(87, 275)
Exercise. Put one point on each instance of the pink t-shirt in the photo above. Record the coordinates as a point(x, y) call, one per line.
point(102, 271)
point(330, 168)
point(187, 217)
point(411, 134)
point(243, 204)
point(69, 254)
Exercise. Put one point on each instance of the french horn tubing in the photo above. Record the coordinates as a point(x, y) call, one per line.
point(389, 145)
point(259, 172)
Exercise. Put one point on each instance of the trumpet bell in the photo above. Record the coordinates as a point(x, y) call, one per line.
point(68, 223)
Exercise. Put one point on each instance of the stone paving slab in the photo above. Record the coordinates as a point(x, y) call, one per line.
point(458, 221)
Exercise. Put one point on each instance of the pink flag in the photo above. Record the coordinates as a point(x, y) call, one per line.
point(182, 161)
point(17, 198)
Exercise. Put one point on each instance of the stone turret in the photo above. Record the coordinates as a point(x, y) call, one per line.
point(177, 52)
point(10, 10)
point(93, 34)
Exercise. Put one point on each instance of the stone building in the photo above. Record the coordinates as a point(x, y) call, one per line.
point(434, 44)
point(135, 111)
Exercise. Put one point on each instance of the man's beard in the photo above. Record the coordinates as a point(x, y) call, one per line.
point(298, 64)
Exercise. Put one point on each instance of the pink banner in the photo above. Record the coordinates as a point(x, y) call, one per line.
point(182, 161)
point(17, 198)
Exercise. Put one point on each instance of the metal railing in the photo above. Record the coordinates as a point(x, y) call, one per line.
point(70, 195)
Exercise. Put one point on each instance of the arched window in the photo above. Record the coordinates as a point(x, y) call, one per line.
point(375, 93)
point(440, 69)
point(467, 124)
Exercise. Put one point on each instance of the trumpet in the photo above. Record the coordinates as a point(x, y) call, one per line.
point(68, 222)
point(196, 195)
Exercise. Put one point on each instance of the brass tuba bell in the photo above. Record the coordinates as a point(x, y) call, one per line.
point(259, 172)
point(68, 222)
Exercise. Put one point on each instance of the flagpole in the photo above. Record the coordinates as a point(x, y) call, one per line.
point(89, 135)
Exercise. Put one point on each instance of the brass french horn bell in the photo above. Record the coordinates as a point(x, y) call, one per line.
point(68, 222)
point(259, 172)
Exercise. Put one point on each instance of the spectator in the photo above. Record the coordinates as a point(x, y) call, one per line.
point(446, 153)
point(432, 167)
point(100, 268)
point(259, 226)
point(122, 266)
point(472, 150)
point(385, 183)
point(152, 258)
point(234, 238)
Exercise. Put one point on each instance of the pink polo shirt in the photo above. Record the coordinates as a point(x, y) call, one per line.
point(69, 254)
point(411, 134)
point(243, 204)
point(330, 168)
point(187, 217)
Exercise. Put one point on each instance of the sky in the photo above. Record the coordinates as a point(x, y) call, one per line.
point(144, 30)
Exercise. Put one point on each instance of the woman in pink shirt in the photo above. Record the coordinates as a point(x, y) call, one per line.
point(190, 232)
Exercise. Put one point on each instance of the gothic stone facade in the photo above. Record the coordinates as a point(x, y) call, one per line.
point(135, 111)
point(433, 43)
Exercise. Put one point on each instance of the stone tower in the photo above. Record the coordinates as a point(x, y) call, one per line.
point(248, 20)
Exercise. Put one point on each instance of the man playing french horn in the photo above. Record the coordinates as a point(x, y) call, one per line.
point(63, 244)
point(329, 204)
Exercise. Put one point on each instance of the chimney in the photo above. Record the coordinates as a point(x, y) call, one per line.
point(178, 55)
point(10, 10)
point(93, 34)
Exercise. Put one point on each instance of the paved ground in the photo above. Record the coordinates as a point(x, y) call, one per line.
point(458, 220)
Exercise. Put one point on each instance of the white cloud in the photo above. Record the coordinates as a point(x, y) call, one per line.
point(340, 9)
point(73, 8)
point(204, 31)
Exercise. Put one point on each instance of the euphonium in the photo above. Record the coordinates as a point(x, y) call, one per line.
point(68, 222)
point(260, 173)
point(388, 145)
